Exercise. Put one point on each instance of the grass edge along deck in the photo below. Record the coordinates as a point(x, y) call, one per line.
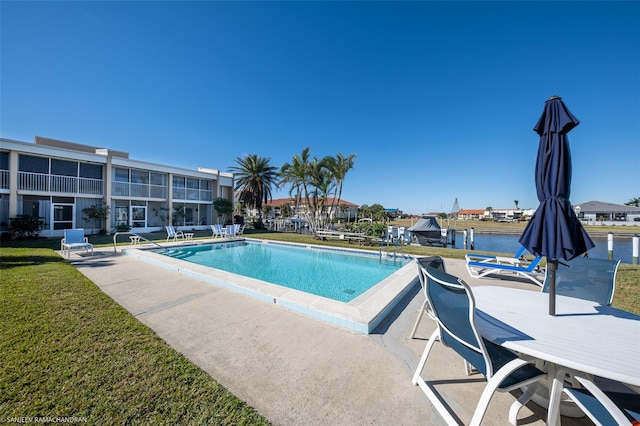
point(363, 314)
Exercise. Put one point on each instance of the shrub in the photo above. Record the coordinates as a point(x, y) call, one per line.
point(96, 215)
point(123, 227)
point(24, 226)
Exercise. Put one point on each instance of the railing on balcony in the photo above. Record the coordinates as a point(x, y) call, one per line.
point(39, 182)
point(190, 194)
point(139, 190)
point(4, 179)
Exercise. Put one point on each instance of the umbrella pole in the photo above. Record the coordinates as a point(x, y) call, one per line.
point(552, 267)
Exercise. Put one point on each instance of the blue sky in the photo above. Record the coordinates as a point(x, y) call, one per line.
point(436, 99)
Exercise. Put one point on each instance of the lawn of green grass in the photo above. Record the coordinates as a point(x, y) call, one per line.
point(67, 349)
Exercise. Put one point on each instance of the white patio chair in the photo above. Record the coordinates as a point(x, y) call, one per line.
point(217, 231)
point(453, 305)
point(74, 239)
point(230, 231)
point(172, 233)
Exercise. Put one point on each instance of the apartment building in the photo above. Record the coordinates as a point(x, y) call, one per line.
point(55, 180)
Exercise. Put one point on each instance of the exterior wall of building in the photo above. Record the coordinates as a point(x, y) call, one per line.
point(56, 180)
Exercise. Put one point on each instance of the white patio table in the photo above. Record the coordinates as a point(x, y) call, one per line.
point(583, 336)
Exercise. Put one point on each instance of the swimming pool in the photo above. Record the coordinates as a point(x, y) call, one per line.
point(338, 275)
point(364, 305)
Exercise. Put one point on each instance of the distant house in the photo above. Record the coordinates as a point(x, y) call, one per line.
point(471, 214)
point(506, 215)
point(393, 213)
point(608, 213)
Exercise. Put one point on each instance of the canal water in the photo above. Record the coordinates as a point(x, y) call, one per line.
point(622, 247)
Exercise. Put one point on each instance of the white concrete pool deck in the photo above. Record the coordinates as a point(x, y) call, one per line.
point(297, 370)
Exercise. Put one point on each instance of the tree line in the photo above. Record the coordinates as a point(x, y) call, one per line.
point(313, 182)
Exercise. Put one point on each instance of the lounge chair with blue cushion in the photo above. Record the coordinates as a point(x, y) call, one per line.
point(172, 233)
point(480, 265)
point(454, 309)
point(586, 278)
point(74, 239)
point(519, 256)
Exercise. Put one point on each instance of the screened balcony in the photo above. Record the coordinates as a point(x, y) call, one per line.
point(139, 190)
point(40, 182)
point(191, 194)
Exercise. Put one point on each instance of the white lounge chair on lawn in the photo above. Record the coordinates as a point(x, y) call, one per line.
point(217, 231)
point(172, 233)
point(74, 239)
point(231, 231)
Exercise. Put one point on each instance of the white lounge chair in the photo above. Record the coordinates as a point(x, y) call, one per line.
point(217, 231)
point(453, 306)
point(172, 233)
point(231, 231)
point(480, 265)
point(74, 239)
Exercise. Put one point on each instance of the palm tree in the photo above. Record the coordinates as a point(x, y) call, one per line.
point(338, 167)
point(314, 181)
point(320, 186)
point(254, 178)
point(633, 202)
point(516, 202)
point(296, 175)
point(309, 184)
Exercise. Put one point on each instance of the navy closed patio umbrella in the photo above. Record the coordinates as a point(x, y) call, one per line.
point(554, 230)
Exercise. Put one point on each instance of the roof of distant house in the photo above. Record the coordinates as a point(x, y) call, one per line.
point(599, 206)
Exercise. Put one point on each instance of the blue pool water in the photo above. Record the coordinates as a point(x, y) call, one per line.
point(338, 275)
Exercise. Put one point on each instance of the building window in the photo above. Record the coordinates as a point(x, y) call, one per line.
point(91, 171)
point(178, 182)
point(64, 168)
point(120, 175)
point(158, 179)
point(139, 176)
point(4, 160)
point(205, 185)
point(28, 163)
